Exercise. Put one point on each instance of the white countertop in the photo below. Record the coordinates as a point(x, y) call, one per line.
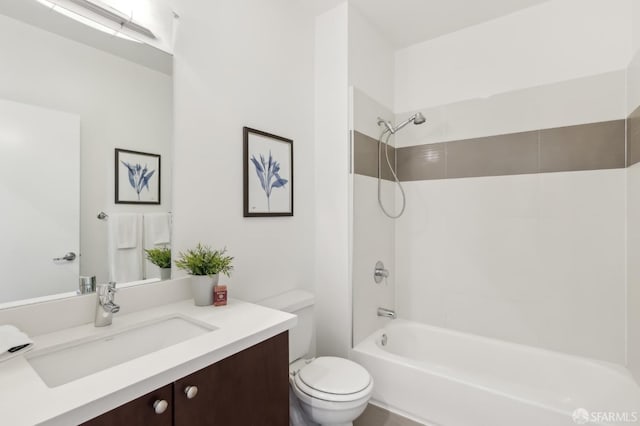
point(26, 400)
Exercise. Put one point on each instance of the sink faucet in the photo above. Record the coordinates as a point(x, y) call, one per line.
point(387, 313)
point(105, 307)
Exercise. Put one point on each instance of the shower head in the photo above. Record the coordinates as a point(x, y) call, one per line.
point(416, 118)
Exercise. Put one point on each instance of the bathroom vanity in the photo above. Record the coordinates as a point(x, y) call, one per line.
point(248, 388)
point(233, 372)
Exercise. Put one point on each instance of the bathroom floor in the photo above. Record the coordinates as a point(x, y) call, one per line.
point(376, 416)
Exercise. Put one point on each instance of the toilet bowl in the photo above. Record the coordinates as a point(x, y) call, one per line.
point(331, 391)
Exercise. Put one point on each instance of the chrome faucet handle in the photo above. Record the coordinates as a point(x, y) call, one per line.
point(105, 306)
point(106, 289)
point(106, 292)
point(379, 273)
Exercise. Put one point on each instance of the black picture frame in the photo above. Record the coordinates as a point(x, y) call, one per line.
point(148, 192)
point(259, 146)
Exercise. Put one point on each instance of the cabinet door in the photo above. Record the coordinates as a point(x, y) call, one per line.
point(250, 388)
point(139, 412)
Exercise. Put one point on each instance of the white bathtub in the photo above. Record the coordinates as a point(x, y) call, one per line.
point(442, 377)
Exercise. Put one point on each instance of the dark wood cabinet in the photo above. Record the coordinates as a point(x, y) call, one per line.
point(140, 411)
point(250, 388)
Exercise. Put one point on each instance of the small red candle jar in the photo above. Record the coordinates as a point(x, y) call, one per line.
point(220, 295)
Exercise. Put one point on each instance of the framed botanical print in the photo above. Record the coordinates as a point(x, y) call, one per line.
point(137, 177)
point(268, 174)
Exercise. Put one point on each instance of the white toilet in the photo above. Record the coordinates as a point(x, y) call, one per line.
point(325, 390)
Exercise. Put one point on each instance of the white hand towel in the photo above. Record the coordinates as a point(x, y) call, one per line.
point(157, 228)
point(127, 230)
point(13, 342)
point(157, 233)
point(125, 265)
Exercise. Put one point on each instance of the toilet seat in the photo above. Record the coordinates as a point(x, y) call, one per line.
point(333, 379)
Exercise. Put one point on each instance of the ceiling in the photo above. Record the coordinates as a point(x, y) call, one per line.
point(406, 22)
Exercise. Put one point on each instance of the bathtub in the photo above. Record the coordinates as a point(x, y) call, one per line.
point(446, 378)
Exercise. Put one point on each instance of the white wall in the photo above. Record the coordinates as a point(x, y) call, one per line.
point(633, 68)
point(120, 104)
point(481, 61)
point(522, 258)
point(636, 26)
point(633, 270)
point(633, 214)
point(371, 60)
point(333, 185)
point(579, 101)
point(373, 240)
point(527, 259)
point(241, 64)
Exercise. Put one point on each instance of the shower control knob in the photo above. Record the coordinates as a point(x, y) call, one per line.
point(379, 273)
point(160, 406)
point(191, 391)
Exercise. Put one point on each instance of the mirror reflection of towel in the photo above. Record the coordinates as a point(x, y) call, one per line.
point(157, 233)
point(157, 230)
point(127, 230)
point(125, 254)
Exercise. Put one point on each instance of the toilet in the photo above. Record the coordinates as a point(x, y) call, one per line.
point(327, 391)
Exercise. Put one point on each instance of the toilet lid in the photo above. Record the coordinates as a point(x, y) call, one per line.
point(337, 376)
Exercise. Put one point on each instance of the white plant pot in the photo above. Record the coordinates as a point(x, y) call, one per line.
point(165, 273)
point(202, 289)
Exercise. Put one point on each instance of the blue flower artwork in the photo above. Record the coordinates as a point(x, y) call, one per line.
point(268, 172)
point(139, 176)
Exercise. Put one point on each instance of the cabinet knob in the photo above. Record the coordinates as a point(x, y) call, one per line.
point(191, 391)
point(160, 406)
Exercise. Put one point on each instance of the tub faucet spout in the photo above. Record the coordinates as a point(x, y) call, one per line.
point(387, 313)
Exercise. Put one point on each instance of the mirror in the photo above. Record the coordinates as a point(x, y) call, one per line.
point(70, 96)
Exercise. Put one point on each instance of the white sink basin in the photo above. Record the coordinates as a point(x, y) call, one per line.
point(71, 361)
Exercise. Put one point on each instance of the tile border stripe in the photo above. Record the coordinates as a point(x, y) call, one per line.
point(591, 146)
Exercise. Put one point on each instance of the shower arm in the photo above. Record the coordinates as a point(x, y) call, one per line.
point(404, 123)
point(416, 118)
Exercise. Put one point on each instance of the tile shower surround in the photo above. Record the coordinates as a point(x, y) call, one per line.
point(592, 146)
point(633, 138)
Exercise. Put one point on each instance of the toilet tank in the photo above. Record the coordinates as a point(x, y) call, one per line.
point(299, 303)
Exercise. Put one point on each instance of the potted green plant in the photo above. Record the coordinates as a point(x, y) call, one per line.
point(161, 257)
point(205, 265)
